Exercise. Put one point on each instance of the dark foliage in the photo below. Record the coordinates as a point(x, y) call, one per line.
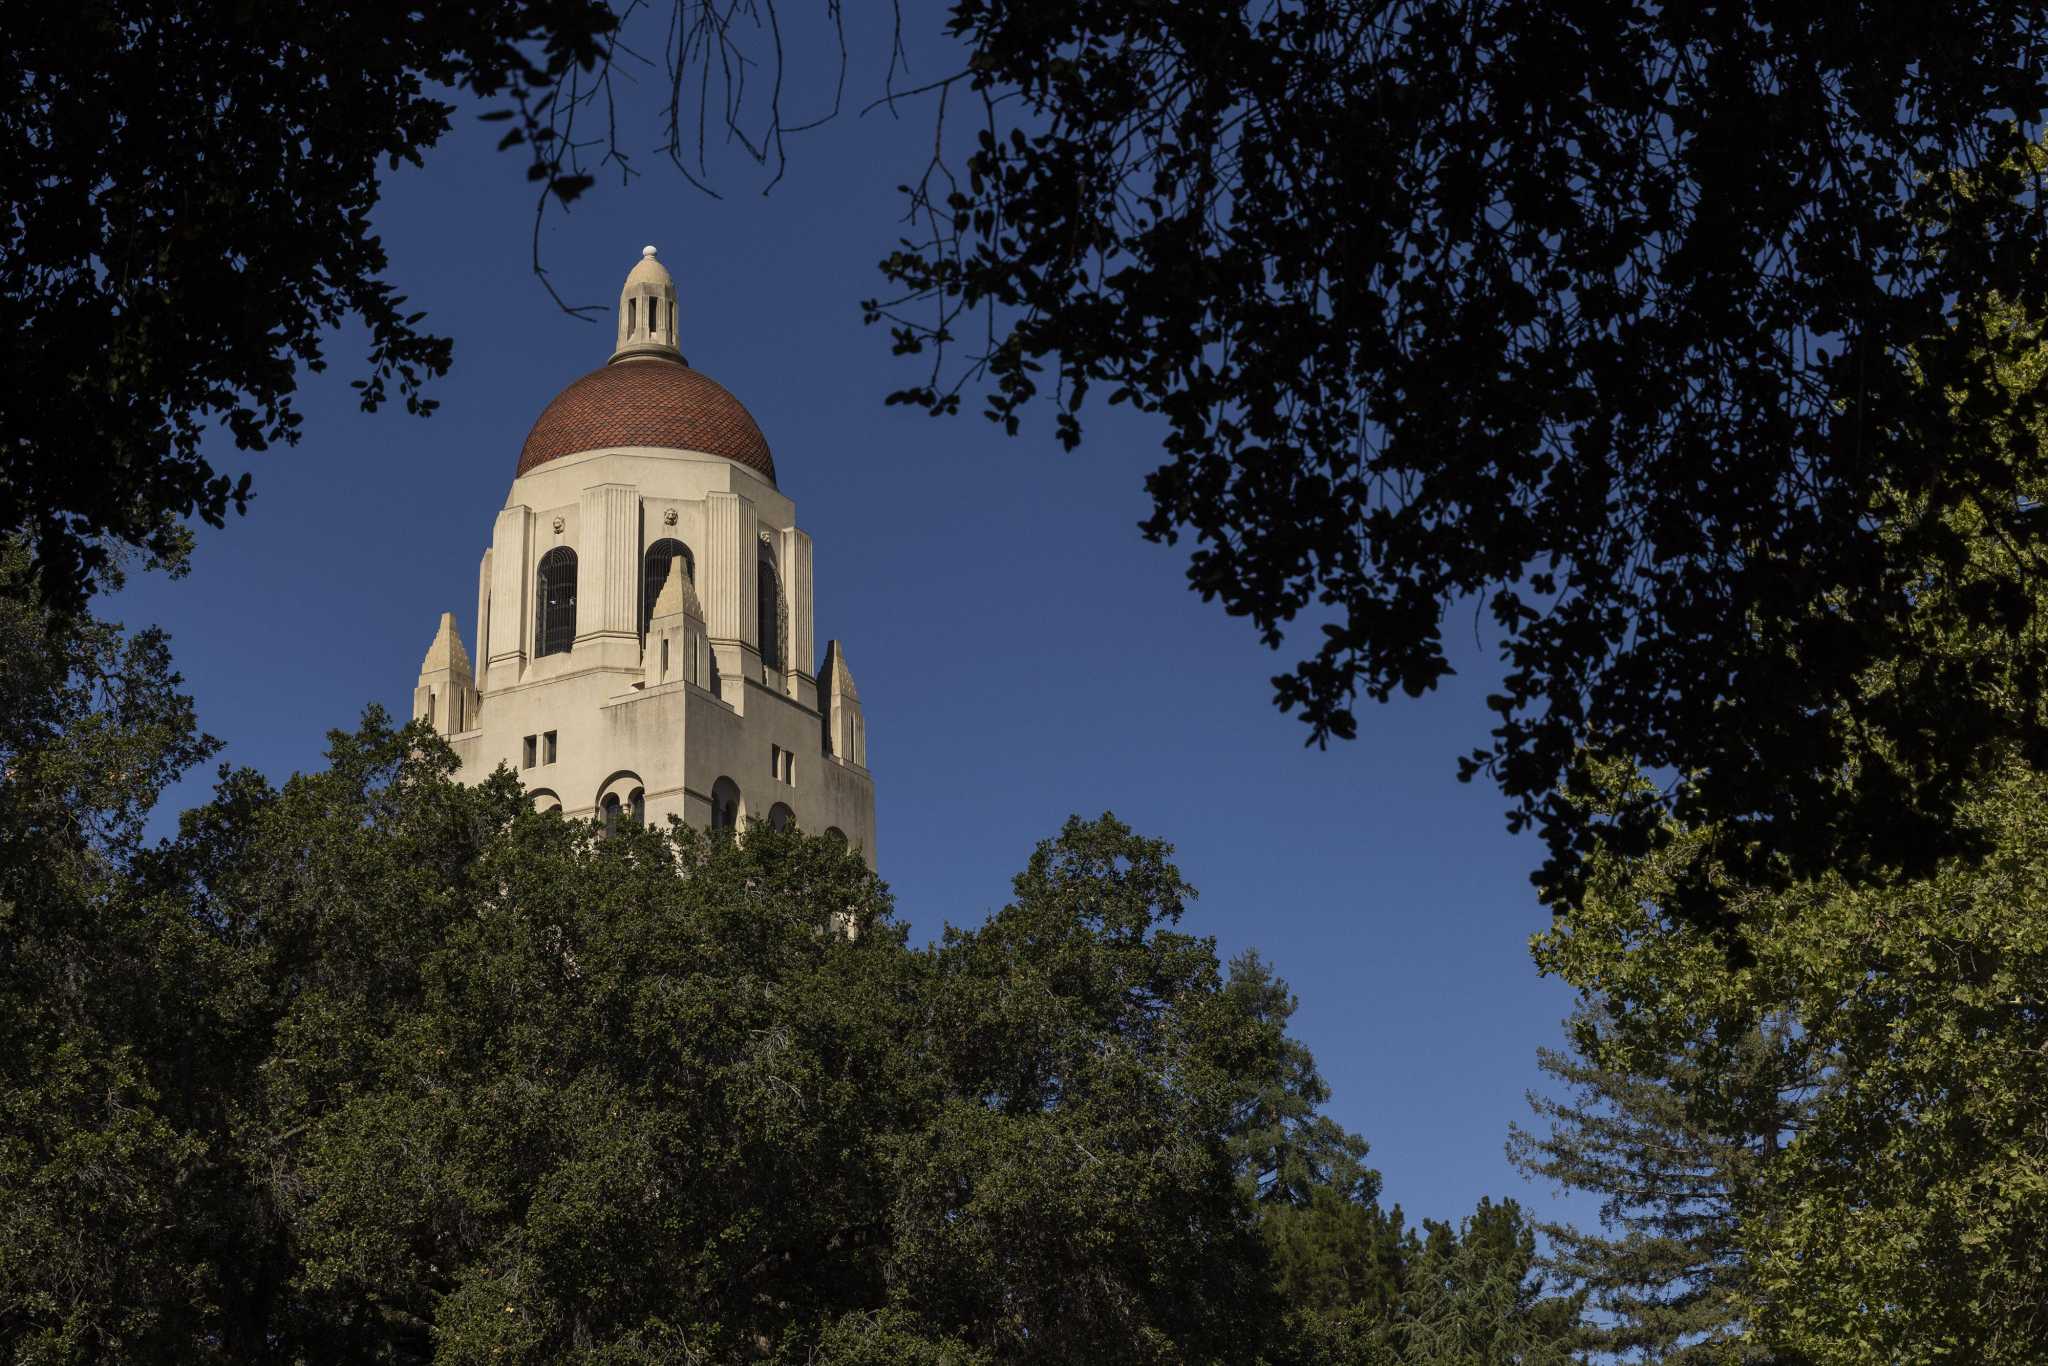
point(1654, 334)
point(1647, 331)
point(188, 193)
point(376, 1067)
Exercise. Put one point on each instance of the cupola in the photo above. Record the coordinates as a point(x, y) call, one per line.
point(647, 313)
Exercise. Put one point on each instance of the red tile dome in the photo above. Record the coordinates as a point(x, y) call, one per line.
point(647, 402)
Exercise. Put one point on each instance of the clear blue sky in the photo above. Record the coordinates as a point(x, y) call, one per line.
point(1022, 652)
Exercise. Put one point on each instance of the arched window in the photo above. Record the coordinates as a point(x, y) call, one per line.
point(780, 817)
point(611, 814)
point(636, 806)
point(654, 573)
point(554, 611)
point(770, 598)
point(725, 804)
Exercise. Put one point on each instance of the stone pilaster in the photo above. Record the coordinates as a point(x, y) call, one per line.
point(608, 576)
point(511, 608)
point(727, 578)
point(802, 618)
point(483, 621)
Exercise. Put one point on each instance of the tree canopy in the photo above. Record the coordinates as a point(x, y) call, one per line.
point(1651, 333)
point(1674, 1176)
point(1900, 1218)
point(1632, 328)
point(1890, 1142)
point(373, 1066)
point(189, 216)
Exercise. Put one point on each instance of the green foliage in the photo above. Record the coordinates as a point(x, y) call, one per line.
point(1896, 1212)
point(377, 1067)
point(1472, 1295)
point(102, 1035)
point(1668, 1274)
point(1900, 1220)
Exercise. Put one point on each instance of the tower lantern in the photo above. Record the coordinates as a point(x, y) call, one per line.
point(647, 312)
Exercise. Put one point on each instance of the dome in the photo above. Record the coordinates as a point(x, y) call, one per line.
point(647, 402)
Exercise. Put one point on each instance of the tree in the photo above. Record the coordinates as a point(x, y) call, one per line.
point(1900, 1219)
point(1470, 1295)
point(375, 1066)
point(1669, 1275)
point(1634, 326)
point(189, 209)
point(1333, 1249)
point(1358, 1284)
point(1655, 333)
point(111, 1065)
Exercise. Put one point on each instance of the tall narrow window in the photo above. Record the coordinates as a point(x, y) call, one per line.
point(770, 598)
point(636, 806)
point(725, 804)
point(654, 573)
point(631, 306)
point(611, 814)
point(554, 613)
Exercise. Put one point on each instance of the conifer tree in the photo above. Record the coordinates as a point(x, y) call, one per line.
point(1667, 1271)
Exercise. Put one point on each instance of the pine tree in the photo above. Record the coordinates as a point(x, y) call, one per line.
point(1668, 1273)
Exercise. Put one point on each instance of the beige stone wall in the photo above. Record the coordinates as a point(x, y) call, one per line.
point(618, 721)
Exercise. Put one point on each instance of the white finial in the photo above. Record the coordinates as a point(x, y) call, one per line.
point(647, 311)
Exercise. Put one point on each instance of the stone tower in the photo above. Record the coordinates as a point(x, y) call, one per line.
point(643, 620)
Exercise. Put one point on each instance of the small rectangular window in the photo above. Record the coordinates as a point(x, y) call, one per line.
point(631, 305)
point(532, 751)
point(548, 748)
point(775, 760)
point(789, 769)
point(664, 656)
